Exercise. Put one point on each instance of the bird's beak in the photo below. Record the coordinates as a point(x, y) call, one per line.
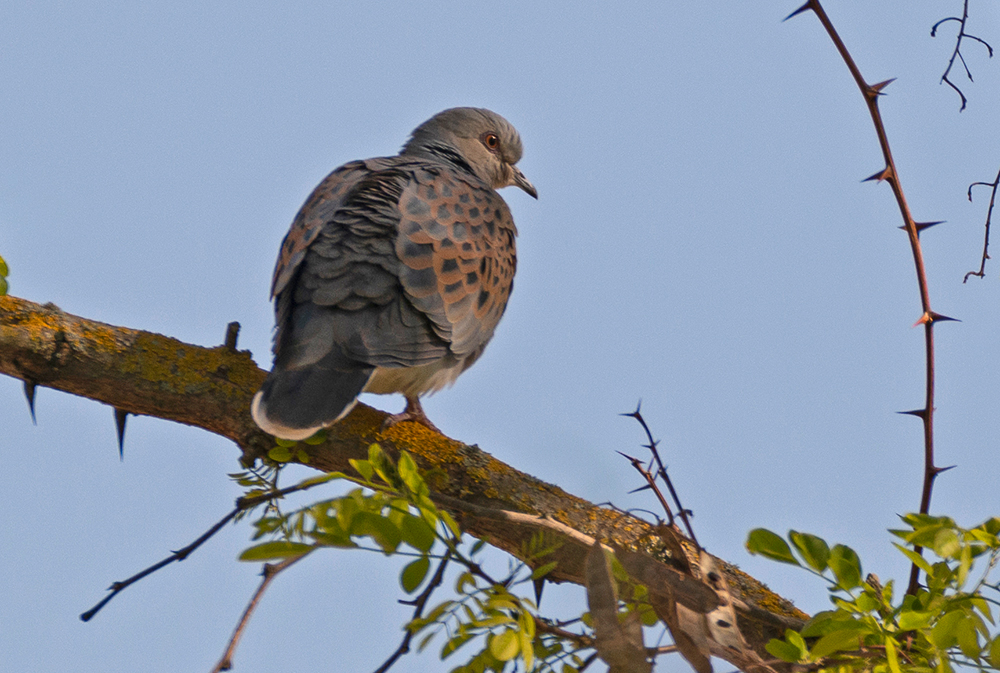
point(522, 182)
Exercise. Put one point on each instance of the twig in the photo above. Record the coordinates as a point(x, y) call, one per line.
point(912, 228)
point(957, 53)
point(242, 503)
point(989, 216)
point(270, 572)
point(582, 641)
point(661, 471)
point(419, 604)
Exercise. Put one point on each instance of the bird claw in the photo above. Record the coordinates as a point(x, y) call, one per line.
point(413, 412)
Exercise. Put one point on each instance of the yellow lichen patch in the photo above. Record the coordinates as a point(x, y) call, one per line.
point(421, 441)
point(363, 421)
point(188, 369)
point(761, 596)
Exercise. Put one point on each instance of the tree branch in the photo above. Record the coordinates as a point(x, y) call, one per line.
point(150, 374)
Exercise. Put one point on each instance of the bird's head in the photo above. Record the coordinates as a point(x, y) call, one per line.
point(484, 140)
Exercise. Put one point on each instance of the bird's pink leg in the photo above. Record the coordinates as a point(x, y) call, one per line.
point(413, 412)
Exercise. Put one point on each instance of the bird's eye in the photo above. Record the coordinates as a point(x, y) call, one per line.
point(491, 141)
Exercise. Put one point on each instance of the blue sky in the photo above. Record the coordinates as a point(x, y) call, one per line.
point(702, 241)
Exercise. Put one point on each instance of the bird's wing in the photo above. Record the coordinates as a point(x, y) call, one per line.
point(409, 263)
point(457, 255)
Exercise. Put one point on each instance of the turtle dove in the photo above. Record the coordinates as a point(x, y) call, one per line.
point(394, 274)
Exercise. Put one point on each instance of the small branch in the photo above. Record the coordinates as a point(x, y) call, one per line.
point(419, 604)
point(242, 504)
point(957, 52)
point(582, 641)
point(270, 572)
point(989, 216)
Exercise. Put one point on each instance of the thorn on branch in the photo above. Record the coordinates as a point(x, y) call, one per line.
point(921, 226)
point(933, 317)
point(884, 174)
point(875, 90)
point(121, 416)
point(804, 8)
point(29, 394)
point(919, 413)
point(938, 470)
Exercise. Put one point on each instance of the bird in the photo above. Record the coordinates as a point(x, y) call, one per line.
point(394, 274)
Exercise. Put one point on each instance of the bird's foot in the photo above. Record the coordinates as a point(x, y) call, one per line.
point(413, 412)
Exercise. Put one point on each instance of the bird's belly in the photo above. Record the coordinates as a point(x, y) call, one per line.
point(415, 381)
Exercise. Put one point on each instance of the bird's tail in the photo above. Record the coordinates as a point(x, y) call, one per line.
point(296, 403)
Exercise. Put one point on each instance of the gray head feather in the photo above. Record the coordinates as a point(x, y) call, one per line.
point(481, 139)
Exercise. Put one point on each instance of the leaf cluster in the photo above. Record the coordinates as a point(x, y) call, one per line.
point(392, 511)
point(948, 622)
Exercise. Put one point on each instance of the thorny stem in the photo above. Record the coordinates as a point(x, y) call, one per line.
point(912, 229)
point(270, 572)
point(989, 216)
point(419, 604)
point(661, 470)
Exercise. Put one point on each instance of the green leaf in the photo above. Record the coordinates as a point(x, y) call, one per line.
point(287, 443)
point(455, 642)
point(784, 651)
point(915, 558)
point(4, 271)
point(380, 529)
point(912, 620)
point(770, 545)
point(381, 464)
point(836, 641)
point(968, 638)
point(983, 607)
point(995, 652)
point(410, 474)
point(363, 467)
point(414, 573)
point(866, 602)
point(944, 634)
point(991, 525)
point(277, 549)
point(846, 567)
point(527, 649)
point(425, 641)
point(813, 550)
point(542, 571)
point(891, 655)
point(417, 533)
point(946, 543)
point(3, 286)
point(279, 454)
point(320, 479)
point(821, 623)
point(504, 646)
